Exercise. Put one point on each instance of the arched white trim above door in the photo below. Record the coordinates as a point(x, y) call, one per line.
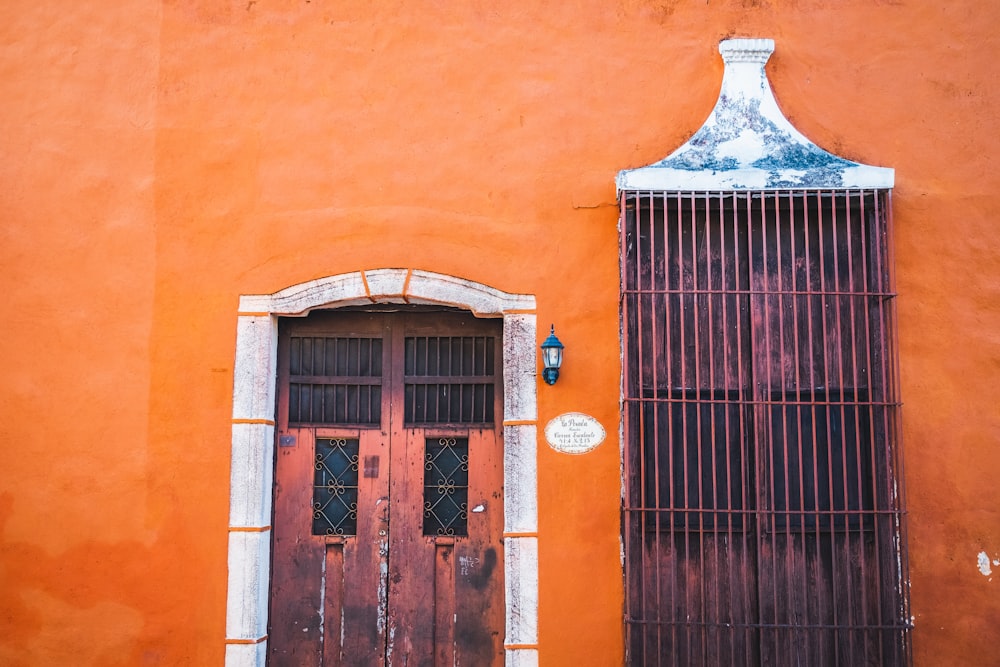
point(251, 476)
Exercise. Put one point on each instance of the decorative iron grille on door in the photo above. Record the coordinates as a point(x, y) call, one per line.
point(763, 518)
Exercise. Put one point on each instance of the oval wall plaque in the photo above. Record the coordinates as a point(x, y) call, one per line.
point(574, 433)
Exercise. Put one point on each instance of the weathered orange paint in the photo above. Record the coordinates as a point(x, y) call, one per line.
point(162, 158)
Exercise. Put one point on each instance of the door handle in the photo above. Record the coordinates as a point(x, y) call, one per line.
point(383, 515)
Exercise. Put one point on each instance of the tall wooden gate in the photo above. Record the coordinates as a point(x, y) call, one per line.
point(388, 508)
point(764, 515)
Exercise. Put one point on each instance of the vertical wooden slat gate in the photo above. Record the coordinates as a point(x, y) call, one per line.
point(763, 513)
point(388, 504)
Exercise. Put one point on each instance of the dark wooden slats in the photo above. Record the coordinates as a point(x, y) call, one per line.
point(460, 356)
point(433, 403)
point(705, 432)
point(763, 514)
point(329, 403)
point(335, 380)
point(449, 379)
point(335, 356)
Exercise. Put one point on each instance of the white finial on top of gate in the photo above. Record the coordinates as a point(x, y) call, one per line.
point(747, 143)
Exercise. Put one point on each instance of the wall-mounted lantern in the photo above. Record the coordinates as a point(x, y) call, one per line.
point(552, 352)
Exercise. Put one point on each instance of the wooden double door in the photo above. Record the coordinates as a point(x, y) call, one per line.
point(388, 507)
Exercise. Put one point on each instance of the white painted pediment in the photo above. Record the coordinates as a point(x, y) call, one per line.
point(748, 144)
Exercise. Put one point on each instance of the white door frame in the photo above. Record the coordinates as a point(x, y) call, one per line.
point(252, 464)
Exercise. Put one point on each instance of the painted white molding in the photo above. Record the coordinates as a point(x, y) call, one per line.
point(520, 456)
point(249, 571)
point(252, 475)
point(257, 352)
point(386, 286)
point(747, 143)
point(522, 657)
point(252, 460)
point(521, 572)
point(246, 655)
point(344, 290)
point(520, 393)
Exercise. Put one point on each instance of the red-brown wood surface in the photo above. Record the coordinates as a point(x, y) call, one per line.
point(759, 471)
point(478, 560)
point(295, 634)
point(364, 561)
point(389, 594)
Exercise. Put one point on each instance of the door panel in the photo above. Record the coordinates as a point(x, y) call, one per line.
point(477, 559)
point(445, 588)
point(295, 625)
point(387, 523)
point(363, 561)
point(302, 615)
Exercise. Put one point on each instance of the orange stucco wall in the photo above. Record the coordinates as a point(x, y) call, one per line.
point(161, 158)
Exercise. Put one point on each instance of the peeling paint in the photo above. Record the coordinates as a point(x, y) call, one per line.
point(383, 586)
point(984, 564)
point(322, 600)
